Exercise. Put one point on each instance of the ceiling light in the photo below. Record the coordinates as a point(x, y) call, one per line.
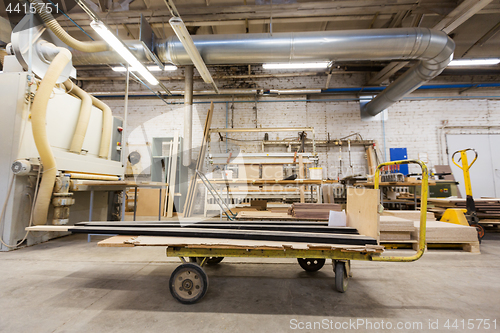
point(180, 30)
point(150, 68)
point(474, 62)
point(297, 65)
point(123, 51)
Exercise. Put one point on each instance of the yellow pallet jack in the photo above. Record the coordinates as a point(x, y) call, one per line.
point(467, 216)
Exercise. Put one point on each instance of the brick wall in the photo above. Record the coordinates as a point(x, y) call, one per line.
point(415, 124)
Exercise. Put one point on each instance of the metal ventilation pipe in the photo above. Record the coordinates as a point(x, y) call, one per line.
point(434, 49)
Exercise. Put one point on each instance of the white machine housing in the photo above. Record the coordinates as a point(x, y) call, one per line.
point(17, 143)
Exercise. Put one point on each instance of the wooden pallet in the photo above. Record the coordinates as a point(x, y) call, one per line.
point(471, 247)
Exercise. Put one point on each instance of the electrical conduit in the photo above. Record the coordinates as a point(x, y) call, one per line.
point(38, 120)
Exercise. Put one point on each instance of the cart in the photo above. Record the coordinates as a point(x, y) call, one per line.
point(189, 282)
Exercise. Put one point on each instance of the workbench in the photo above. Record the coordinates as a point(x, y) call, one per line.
point(79, 185)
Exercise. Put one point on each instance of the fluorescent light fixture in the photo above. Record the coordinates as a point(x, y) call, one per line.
point(123, 51)
point(180, 30)
point(474, 62)
point(150, 68)
point(296, 65)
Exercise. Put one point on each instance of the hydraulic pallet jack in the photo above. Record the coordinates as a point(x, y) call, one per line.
point(465, 216)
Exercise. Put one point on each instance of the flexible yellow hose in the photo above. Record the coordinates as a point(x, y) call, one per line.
point(50, 21)
point(106, 126)
point(83, 118)
point(38, 120)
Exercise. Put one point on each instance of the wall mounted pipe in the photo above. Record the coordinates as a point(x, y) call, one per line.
point(107, 119)
point(188, 116)
point(83, 118)
point(38, 120)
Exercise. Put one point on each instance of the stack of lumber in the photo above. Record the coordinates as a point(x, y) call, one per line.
point(486, 208)
point(313, 210)
point(404, 227)
point(301, 232)
point(397, 225)
point(395, 229)
point(449, 233)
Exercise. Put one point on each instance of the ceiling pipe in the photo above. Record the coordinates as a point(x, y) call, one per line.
point(433, 49)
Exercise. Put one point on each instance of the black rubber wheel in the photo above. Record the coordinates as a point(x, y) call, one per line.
point(480, 231)
point(341, 278)
point(311, 264)
point(188, 283)
point(212, 261)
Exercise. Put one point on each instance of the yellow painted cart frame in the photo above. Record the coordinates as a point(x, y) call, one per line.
point(189, 282)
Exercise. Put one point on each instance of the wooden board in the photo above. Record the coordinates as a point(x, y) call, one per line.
point(148, 201)
point(233, 243)
point(443, 232)
point(249, 171)
point(395, 224)
point(408, 214)
point(48, 228)
point(272, 171)
point(116, 241)
point(388, 236)
point(191, 194)
point(301, 176)
point(173, 175)
point(362, 211)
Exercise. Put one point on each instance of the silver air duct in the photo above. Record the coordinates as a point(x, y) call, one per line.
point(434, 49)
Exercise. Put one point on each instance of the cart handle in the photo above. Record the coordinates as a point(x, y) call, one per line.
point(423, 210)
point(464, 159)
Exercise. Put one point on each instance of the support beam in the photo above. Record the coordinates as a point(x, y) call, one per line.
point(461, 14)
point(487, 36)
point(188, 116)
point(454, 19)
point(387, 72)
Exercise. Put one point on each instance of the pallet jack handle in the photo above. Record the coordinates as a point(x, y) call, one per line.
point(465, 167)
point(423, 210)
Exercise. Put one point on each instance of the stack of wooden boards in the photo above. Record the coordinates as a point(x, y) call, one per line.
point(302, 232)
point(487, 209)
point(403, 227)
point(313, 211)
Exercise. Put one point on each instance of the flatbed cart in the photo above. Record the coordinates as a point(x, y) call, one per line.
point(189, 282)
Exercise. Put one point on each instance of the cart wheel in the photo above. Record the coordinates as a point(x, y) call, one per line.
point(211, 261)
point(188, 283)
point(311, 264)
point(341, 278)
point(480, 231)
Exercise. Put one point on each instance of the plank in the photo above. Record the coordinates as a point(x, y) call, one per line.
point(301, 237)
point(116, 241)
point(444, 232)
point(148, 201)
point(301, 176)
point(362, 211)
point(48, 228)
point(238, 243)
point(191, 194)
point(173, 175)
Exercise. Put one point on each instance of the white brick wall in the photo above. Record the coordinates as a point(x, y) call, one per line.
point(414, 124)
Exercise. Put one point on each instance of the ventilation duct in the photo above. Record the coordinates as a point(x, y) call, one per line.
point(433, 49)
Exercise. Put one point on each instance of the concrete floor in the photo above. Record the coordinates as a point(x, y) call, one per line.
point(69, 285)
